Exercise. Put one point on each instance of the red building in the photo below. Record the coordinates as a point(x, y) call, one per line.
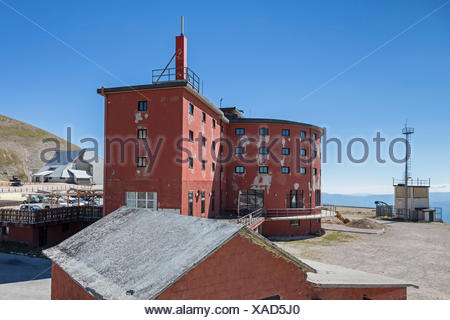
point(167, 146)
point(169, 256)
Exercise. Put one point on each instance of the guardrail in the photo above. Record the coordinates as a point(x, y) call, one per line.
point(252, 218)
point(177, 74)
point(65, 214)
point(283, 212)
point(43, 187)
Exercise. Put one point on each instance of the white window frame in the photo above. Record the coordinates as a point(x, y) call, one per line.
point(147, 200)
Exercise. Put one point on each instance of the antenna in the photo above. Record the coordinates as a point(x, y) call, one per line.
point(182, 25)
point(407, 131)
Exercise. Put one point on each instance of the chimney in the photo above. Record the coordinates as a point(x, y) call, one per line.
point(181, 54)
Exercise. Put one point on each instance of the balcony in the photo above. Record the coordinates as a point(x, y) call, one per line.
point(185, 75)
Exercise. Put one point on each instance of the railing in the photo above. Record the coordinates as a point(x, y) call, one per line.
point(283, 212)
point(252, 218)
point(28, 187)
point(174, 74)
point(412, 182)
point(65, 214)
point(419, 215)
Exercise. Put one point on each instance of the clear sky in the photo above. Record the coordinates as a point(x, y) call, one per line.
point(355, 67)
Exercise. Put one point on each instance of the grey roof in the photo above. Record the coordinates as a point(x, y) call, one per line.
point(328, 275)
point(138, 249)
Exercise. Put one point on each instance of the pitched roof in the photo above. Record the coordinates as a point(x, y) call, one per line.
point(139, 249)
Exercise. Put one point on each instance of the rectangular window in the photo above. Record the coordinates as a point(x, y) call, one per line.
point(314, 136)
point(285, 170)
point(190, 203)
point(191, 136)
point(302, 170)
point(203, 117)
point(318, 200)
point(251, 199)
point(142, 105)
point(314, 154)
point(190, 163)
point(191, 108)
point(263, 150)
point(142, 162)
point(213, 200)
point(203, 164)
point(203, 203)
point(239, 150)
point(263, 131)
point(263, 169)
point(142, 133)
point(303, 152)
point(213, 167)
point(213, 146)
point(141, 200)
point(239, 131)
point(214, 123)
point(303, 134)
point(314, 171)
point(295, 223)
point(295, 199)
point(285, 132)
point(204, 141)
point(239, 169)
point(285, 151)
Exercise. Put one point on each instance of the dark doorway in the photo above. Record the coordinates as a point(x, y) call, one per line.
point(42, 236)
point(190, 203)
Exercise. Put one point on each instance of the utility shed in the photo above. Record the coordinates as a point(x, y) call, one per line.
point(147, 254)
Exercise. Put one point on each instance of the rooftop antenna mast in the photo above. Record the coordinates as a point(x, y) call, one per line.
point(182, 25)
point(407, 131)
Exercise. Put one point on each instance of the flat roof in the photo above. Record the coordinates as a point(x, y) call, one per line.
point(276, 121)
point(332, 276)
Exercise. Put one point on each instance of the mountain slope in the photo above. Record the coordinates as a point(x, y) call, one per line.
point(21, 145)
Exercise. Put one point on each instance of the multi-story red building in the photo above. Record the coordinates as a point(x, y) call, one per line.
point(168, 146)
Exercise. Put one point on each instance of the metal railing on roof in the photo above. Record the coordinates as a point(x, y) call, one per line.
point(176, 74)
point(412, 182)
point(252, 219)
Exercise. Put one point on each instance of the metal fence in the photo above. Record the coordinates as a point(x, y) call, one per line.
point(252, 218)
point(66, 214)
point(174, 74)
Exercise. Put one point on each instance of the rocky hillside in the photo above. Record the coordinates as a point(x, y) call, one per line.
point(20, 147)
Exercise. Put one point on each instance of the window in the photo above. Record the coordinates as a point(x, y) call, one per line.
point(314, 136)
point(251, 199)
point(141, 200)
point(239, 150)
point(213, 146)
point(285, 170)
point(303, 152)
point(239, 131)
point(314, 154)
point(285, 151)
point(318, 200)
point(295, 223)
point(190, 203)
point(65, 227)
point(204, 141)
point(203, 164)
point(239, 169)
point(214, 123)
point(295, 199)
point(285, 132)
point(191, 136)
point(263, 131)
point(314, 171)
point(263, 169)
point(302, 170)
point(142, 105)
point(191, 108)
point(213, 200)
point(190, 163)
point(203, 117)
point(4, 231)
point(142, 133)
point(263, 150)
point(142, 162)
point(213, 167)
point(203, 203)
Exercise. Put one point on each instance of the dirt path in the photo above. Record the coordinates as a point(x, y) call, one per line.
point(414, 252)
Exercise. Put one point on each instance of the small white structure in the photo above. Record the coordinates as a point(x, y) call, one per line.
point(78, 167)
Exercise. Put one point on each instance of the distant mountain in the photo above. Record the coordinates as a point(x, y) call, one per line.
point(20, 148)
point(437, 199)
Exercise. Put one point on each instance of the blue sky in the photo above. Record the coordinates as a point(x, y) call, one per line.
point(265, 57)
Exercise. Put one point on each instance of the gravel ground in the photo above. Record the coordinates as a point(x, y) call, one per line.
point(415, 252)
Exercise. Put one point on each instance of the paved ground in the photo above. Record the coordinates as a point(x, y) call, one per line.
point(23, 277)
point(418, 253)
